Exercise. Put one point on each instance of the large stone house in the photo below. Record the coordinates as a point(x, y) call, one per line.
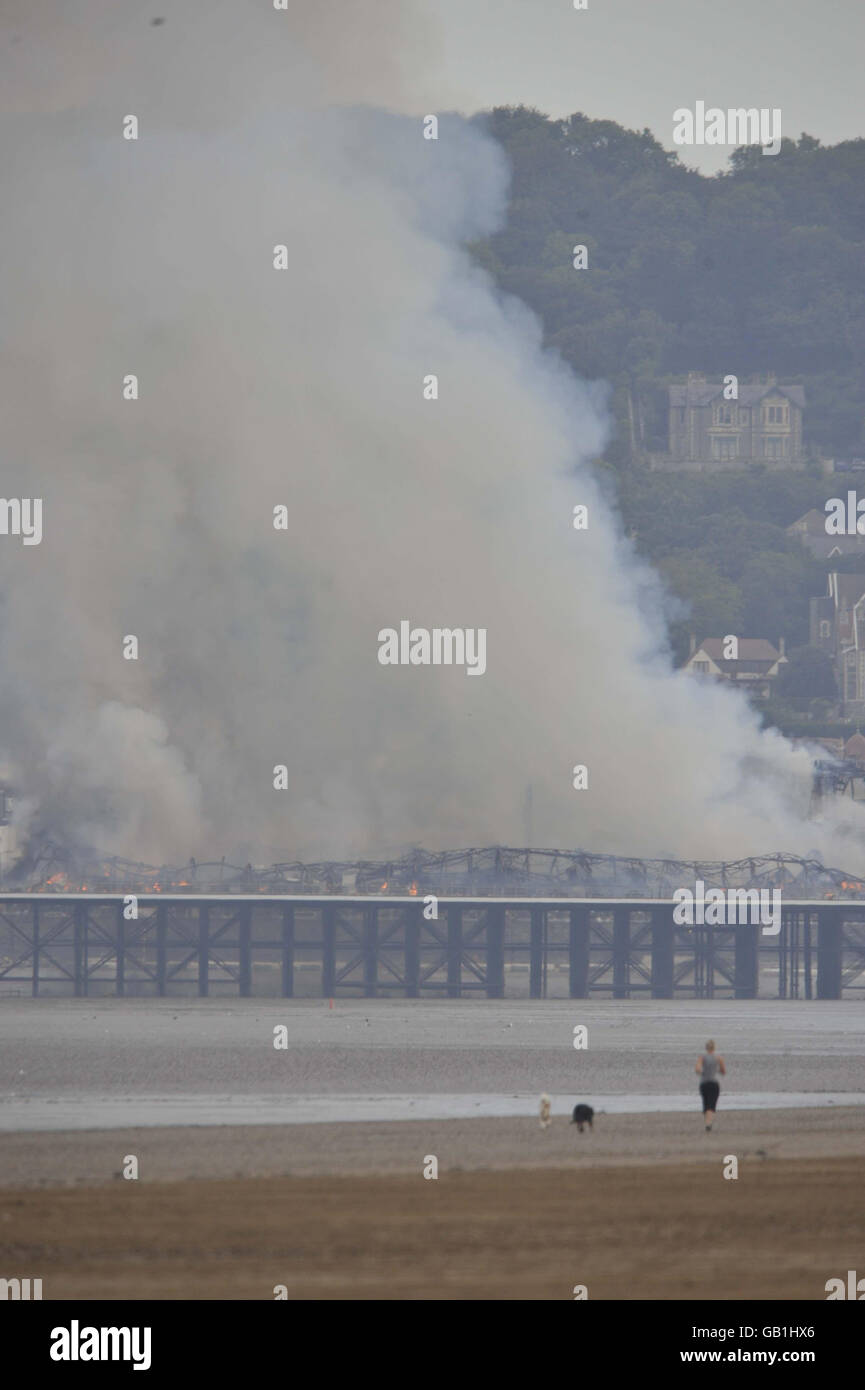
point(838, 629)
point(708, 432)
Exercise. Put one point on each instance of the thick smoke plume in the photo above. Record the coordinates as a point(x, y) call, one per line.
point(303, 387)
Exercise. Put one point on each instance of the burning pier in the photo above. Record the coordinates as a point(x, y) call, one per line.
point(500, 923)
point(493, 872)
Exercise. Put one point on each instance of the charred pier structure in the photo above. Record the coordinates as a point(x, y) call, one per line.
point(493, 872)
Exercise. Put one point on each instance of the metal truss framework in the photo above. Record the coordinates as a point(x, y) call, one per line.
point(329, 947)
point(493, 872)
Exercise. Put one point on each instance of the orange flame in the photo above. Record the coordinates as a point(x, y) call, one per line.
point(383, 887)
point(413, 890)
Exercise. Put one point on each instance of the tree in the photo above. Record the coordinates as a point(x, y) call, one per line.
point(710, 605)
point(761, 266)
point(807, 675)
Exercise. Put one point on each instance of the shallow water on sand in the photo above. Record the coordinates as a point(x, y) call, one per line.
point(105, 1064)
point(122, 1112)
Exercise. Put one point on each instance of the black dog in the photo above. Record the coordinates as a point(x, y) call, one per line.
point(583, 1115)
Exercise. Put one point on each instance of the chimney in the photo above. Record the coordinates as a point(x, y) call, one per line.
point(781, 645)
point(693, 645)
point(695, 380)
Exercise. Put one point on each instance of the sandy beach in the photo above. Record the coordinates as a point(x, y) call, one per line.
point(340, 1208)
point(664, 1231)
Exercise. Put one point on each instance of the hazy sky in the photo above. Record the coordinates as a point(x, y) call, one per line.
point(635, 61)
point(631, 61)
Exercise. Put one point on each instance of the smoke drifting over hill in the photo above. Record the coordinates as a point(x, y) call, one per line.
point(303, 387)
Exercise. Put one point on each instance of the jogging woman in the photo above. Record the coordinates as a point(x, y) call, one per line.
point(709, 1067)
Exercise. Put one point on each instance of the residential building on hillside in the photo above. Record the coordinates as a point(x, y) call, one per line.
point(707, 432)
point(810, 529)
point(837, 627)
point(755, 667)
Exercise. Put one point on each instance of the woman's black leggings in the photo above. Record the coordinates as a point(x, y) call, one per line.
point(710, 1090)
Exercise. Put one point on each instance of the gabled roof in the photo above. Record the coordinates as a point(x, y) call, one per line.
point(704, 392)
point(850, 587)
point(813, 522)
point(855, 746)
point(827, 547)
point(750, 649)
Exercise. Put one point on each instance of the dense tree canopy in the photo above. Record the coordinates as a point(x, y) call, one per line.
point(759, 268)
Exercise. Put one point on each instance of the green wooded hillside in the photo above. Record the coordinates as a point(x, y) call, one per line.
point(760, 268)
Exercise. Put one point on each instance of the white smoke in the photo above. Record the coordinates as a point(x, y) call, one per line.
point(304, 387)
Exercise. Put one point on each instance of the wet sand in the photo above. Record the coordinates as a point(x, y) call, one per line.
point(95, 1158)
point(76, 1048)
point(677, 1231)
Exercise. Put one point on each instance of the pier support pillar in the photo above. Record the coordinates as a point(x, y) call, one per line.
point(578, 953)
point(245, 955)
point(495, 953)
point(455, 950)
point(746, 961)
point(328, 950)
point(413, 926)
point(161, 930)
point(36, 950)
point(621, 951)
point(536, 953)
point(370, 952)
point(662, 953)
point(288, 951)
point(829, 939)
point(203, 949)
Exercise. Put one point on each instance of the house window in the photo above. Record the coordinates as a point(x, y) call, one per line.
point(850, 683)
point(825, 628)
point(727, 447)
point(724, 415)
point(744, 417)
point(702, 667)
point(775, 415)
point(773, 448)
